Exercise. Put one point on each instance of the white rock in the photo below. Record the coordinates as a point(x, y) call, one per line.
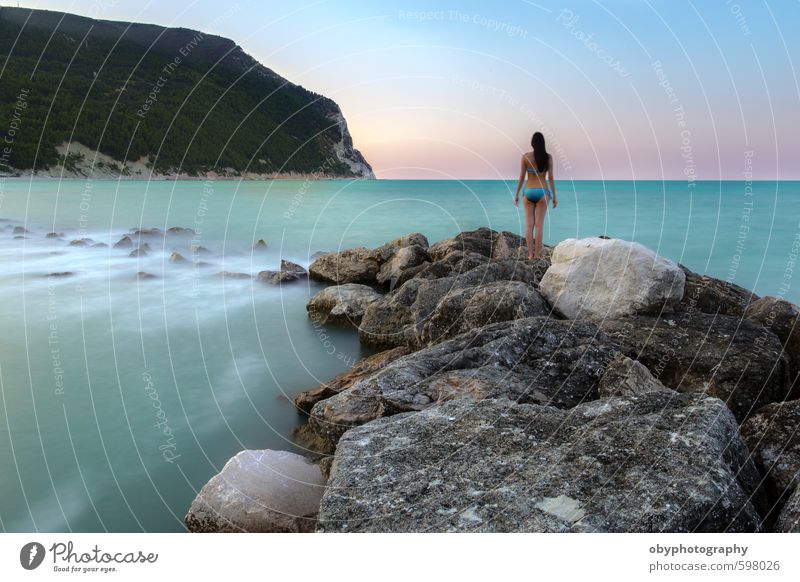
point(599, 279)
point(259, 491)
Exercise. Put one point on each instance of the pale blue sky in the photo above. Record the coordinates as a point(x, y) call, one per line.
point(457, 90)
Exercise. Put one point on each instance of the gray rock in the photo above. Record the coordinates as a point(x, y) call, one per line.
point(403, 259)
point(357, 265)
point(124, 242)
point(625, 377)
point(403, 316)
point(657, 462)
point(709, 295)
point(734, 359)
point(233, 275)
point(139, 232)
point(475, 241)
point(181, 230)
point(81, 242)
point(783, 319)
point(290, 267)
point(773, 436)
point(54, 235)
point(363, 368)
point(259, 491)
point(535, 360)
point(141, 251)
point(277, 277)
point(385, 252)
point(455, 263)
point(789, 518)
point(341, 304)
point(176, 257)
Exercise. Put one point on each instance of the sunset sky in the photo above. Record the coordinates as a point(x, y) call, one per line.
point(645, 89)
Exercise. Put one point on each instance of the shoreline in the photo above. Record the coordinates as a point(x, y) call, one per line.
point(471, 336)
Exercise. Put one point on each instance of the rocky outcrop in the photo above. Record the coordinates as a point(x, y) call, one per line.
point(391, 271)
point(709, 295)
point(259, 491)
point(657, 462)
point(601, 279)
point(773, 436)
point(783, 319)
point(789, 518)
point(363, 368)
point(534, 360)
point(341, 304)
point(357, 265)
point(735, 360)
point(417, 313)
point(625, 377)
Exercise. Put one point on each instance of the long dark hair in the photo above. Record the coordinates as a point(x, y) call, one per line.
point(540, 155)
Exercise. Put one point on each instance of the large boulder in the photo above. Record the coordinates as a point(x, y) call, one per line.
point(783, 319)
point(259, 491)
point(358, 265)
point(789, 518)
point(454, 263)
point(597, 279)
point(736, 360)
point(536, 360)
point(773, 436)
point(403, 316)
point(385, 252)
point(709, 295)
point(341, 304)
point(658, 462)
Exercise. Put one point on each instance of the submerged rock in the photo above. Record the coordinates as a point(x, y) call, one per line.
point(180, 230)
point(261, 244)
point(290, 267)
point(81, 242)
point(176, 257)
point(141, 251)
point(233, 275)
point(154, 231)
point(289, 272)
point(602, 279)
point(734, 359)
point(61, 274)
point(197, 249)
point(19, 230)
point(656, 462)
point(259, 491)
point(54, 235)
point(341, 304)
point(417, 313)
point(144, 275)
point(124, 242)
point(535, 360)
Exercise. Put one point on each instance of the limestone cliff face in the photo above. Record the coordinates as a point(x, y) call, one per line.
point(106, 98)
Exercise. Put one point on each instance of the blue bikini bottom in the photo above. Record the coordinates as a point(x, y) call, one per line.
point(536, 194)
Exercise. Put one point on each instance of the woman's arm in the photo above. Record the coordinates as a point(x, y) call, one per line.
point(521, 179)
point(551, 181)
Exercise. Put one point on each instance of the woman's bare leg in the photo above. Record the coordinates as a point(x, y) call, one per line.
point(539, 211)
point(529, 223)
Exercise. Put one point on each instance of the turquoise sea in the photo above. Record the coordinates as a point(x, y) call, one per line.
point(121, 396)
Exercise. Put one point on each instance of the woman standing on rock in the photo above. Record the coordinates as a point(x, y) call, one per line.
point(538, 167)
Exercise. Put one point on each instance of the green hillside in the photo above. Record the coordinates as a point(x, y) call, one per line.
point(186, 100)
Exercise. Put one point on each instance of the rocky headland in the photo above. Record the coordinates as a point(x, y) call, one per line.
point(602, 388)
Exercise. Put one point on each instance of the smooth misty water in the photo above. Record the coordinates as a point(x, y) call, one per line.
point(95, 367)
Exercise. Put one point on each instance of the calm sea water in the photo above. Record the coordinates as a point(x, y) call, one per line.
point(121, 396)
